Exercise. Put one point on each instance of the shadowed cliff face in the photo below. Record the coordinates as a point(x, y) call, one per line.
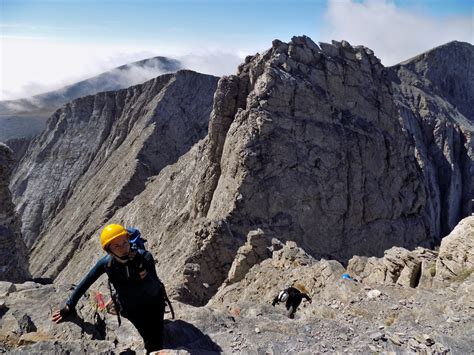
point(434, 92)
point(313, 144)
point(13, 253)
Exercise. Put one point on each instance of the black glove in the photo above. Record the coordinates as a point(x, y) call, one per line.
point(67, 311)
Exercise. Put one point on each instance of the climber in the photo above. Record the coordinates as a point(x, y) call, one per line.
point(293, 297)
point(140, 295)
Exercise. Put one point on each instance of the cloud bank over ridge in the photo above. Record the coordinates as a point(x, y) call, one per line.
point(393, 33)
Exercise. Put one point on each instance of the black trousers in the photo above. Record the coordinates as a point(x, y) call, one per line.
point(149, 323)
point(292, 305)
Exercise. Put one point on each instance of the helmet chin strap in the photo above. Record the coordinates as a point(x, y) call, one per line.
point(123, 258)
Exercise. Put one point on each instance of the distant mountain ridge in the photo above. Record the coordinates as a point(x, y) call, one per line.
point(454, 83)
point(27, 117)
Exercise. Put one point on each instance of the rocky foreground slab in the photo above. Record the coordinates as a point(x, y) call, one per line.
point(368, 315)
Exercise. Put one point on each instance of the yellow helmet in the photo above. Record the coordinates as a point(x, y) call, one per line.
point(110, 232)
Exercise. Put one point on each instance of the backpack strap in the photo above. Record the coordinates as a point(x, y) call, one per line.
point(113, 294)
point(167, 300)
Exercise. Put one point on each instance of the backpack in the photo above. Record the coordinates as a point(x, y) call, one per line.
point(136, 240)
point(137, 244)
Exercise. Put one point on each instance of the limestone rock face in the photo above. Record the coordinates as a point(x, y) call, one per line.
point(434, 92)
point(456, 253)
point(96, 156)
point(304, 143)
point(317, 154)
point(398, 266)
point(252, 252)
point(13, 253)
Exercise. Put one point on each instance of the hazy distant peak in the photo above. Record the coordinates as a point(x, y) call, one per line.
point(115, 79)
point(150, 62)
point(455, 48)
point(447, 70)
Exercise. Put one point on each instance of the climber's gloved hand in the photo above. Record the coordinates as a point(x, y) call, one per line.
point(63, 313)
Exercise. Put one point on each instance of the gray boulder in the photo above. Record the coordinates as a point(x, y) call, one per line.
point(398, 266)
point(254, 251)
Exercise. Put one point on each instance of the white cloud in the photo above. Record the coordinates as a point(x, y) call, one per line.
point(216, 63)
point(31, 66)
point(394, 34)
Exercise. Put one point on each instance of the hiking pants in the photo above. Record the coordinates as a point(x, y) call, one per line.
point(149, 323)
point(291, 305)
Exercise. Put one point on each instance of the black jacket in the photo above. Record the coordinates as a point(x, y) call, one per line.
point(132, 291)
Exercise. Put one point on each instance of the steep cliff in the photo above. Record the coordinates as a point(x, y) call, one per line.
point(434, 92)
point(13, 254)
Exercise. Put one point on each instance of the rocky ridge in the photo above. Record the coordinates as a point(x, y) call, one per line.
point(304, 143)
point(26, 118)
